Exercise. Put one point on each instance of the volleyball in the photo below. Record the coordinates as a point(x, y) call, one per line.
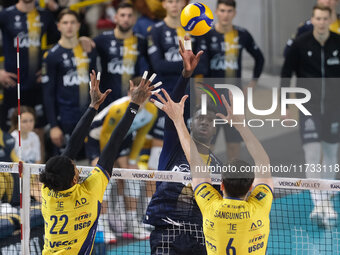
point(197, 19)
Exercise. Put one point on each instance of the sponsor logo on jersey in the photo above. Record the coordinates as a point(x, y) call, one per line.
point(73, 79)
point(257, 238)
point(80, 202)
point(211, 246)
point(260, 196)
point(209, 224)
point(60, 243)
point(219, 62)
point(256, 225)
point(82, 225)
point(172, 55)
point(116, 66)
point(231, 228)
point(255, 247)
point(83, 217)
point(26, 41)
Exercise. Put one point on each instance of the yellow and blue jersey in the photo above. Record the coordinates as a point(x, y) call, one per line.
point(120, 60)
point(235, 226)
point(163, 45)
point(307, 26)
point(30, 28)
point(107, 120)
point(66, 83)
point(223, 53)
point(71, 216)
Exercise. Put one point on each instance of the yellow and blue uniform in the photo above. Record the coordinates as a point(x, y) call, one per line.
point(71, 216)
point(29, 27)
point(107, 120)
point(235, 226)
point(163, 44)
point(65, 85)
point(307, 26)
point(121, 60)
point(223, 53)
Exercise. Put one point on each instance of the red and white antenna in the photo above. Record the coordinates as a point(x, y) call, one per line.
point(24, 205)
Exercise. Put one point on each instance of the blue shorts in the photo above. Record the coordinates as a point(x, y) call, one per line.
point(320, 127)
point(174, 240)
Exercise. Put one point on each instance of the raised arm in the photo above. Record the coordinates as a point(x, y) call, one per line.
point(138, 96)
point(175, 113)
point(255, 148)
point(83, 125)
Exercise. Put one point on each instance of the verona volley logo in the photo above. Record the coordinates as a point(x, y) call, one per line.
point(240, 102)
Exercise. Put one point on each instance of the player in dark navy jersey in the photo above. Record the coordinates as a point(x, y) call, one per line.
point(173, 210)
point(222, 58)
point(121, 53)
point(29, 23)
point(307, 26)
point(65, 79)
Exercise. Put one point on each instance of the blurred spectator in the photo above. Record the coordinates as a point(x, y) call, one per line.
point(30, 142)
point(308, 26)
point(65, 78)
point(121, 52)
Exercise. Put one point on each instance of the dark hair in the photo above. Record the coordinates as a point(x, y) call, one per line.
point(68, 11)
point(124, 4)
point(321, 8)
point(231, 3)
point(58, 174)
point(237, 184)
point(14, 117)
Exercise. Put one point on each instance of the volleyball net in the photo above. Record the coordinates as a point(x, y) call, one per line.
point(121, 230)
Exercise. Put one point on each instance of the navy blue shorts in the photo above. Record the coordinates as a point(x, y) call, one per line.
point(174, 240)
point(320, 127)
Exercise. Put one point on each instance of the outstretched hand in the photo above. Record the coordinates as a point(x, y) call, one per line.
point(231, 118)
point(173, 110)
point(143, 91)
point(190, 60)
point(97, 98)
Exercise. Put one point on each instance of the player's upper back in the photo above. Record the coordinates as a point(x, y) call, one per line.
point(71, 216)
point(233, 226)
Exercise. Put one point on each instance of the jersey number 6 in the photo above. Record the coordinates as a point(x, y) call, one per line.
point(230, 249)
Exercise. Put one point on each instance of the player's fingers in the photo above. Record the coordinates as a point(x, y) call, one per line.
point(198, 55)
point(166, 95)
point(187, 38)
point(145, 75)
point(159, 105)
point(108, 91)
point(181, 47)
point(155, 91)
point(231, 98)
point(184, 98)
point(152, 77)
point(131, 85)
point(226, 104)
point(160, 98)
point(98, 79)
point(12, 75)
point(221, 116)
point(157, 85)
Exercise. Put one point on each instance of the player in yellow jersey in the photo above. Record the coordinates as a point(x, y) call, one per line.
point(236, 223)
point(71, 210)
